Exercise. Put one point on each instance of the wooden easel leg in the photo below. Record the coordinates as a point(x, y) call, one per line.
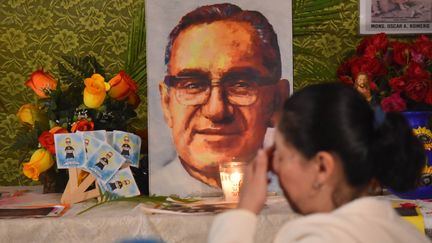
point(75, 192)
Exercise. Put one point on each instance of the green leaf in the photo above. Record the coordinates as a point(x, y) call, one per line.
point(136, 59)
point(154, 200)
point(73, 70)
point(135, 65)
point(308, 15)
point(25, 140)
point(67, 75)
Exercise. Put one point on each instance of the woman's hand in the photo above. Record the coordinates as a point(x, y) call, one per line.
point(253, 193)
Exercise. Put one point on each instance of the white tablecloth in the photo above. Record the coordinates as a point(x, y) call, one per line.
point(118, 221)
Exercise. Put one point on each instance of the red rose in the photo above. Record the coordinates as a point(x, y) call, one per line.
point(371, 52)
point(82, 125)
point(122, 86)
point(398, 83)
point(417, 89)
point(46, 140)
point(423, 46)
point(380, 41)
point(373, 45)
point(41, 83)
point(393, 103)
point(400, 52)
point(414, 70)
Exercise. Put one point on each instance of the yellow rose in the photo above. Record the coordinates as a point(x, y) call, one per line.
point(95, 91)
point(40, 161)
point(41, 82)
point(122, 86)
point(29, 114)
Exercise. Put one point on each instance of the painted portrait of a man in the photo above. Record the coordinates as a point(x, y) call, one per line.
point(220, 92)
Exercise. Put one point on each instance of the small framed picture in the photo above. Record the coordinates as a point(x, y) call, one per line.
point(395, 16)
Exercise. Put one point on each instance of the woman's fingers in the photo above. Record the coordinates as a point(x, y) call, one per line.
point(254, 191)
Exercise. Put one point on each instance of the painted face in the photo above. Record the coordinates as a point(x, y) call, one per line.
point(295, 175)
point(219, 126)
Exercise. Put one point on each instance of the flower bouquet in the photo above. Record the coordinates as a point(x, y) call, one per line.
point(80, 99)
point(393, 74)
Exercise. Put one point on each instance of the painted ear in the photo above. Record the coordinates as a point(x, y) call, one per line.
point(165, 102)
point(282, 92)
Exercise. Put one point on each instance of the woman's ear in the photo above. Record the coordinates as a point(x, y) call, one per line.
point(325, 165)
point(165, 103)
point(282, 92)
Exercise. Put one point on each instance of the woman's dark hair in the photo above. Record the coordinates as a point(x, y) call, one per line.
point(335, 118)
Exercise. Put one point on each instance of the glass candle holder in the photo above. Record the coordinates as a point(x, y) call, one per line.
point(232, 174)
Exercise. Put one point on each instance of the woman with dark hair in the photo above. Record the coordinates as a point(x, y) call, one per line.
point(330, 148)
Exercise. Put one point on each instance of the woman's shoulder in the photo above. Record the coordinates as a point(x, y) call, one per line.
point(362, 220)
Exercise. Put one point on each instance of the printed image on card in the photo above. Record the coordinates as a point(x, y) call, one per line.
point(69, 150)
point(91, 145)
point(128, 145)
point(105, 162)
point(99, 134)
point(123, 184)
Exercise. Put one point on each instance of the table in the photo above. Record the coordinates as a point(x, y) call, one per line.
point(118, 221)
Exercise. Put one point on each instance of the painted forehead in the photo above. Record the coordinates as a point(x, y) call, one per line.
point(213, 31)
point(210, 45)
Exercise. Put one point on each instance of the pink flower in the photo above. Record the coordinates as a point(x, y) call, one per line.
point(393, 103)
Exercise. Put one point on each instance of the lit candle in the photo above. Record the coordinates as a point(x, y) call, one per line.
point(231, 174)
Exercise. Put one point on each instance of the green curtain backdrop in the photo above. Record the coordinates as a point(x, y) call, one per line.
point(324, 32)
point(36, 33)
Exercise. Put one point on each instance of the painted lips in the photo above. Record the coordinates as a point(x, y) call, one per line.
point(218, 131)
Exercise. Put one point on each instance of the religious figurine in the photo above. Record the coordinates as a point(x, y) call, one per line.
point(361, 84)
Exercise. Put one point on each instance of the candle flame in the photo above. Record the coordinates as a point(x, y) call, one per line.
point(235, 177)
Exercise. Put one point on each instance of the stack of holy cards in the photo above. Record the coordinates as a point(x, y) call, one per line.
point(106, 155)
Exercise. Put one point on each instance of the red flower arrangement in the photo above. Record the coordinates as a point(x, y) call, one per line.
point(397, 75)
